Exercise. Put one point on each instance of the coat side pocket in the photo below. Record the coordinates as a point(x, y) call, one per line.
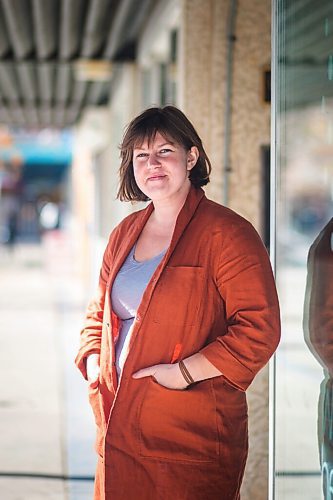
point(179, 425)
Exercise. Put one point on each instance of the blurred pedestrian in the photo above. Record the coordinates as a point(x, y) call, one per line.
point(10, 203)
point(185, 315)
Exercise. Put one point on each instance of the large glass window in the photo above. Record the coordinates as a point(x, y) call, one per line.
point(304, 362)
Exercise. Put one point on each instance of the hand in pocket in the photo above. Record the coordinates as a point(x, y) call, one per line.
point(93, 370)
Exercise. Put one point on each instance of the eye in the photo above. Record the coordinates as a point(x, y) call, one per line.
point(141, 155)
point(165, 150)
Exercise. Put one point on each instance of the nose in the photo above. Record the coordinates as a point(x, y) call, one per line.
point(153, 161)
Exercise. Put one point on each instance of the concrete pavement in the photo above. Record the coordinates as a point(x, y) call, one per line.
point(46, 427)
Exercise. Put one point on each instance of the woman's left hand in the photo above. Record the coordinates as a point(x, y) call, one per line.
point(167, 375)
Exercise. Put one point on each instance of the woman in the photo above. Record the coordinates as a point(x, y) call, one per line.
point(185, 316)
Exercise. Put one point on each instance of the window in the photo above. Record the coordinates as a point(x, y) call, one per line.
point(304, 256)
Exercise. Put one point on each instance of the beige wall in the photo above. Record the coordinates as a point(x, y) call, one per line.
point(251, 115)
point(202, 84)
point(251, 130)
point(203, 76)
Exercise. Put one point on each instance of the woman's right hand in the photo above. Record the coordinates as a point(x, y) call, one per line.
point(93, 370)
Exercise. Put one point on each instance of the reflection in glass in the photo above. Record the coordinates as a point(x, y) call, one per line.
point(304, 124)
point(318, 333)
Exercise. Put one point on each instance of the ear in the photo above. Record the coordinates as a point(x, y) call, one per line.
point(192, 157)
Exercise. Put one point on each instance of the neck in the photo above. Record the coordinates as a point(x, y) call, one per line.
point(166, 211)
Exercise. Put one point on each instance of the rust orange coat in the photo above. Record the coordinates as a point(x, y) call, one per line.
point(213, 292)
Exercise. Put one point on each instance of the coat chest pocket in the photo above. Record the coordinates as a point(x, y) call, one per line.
point(179, 425)
point(178, 295)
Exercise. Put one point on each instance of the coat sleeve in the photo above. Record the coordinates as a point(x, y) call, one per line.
point(91, 334)
point(246, 284)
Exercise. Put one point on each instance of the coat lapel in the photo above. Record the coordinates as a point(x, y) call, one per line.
point(185, 215)
point(132, 235)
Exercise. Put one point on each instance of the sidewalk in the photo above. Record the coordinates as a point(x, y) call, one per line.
point(47, 430)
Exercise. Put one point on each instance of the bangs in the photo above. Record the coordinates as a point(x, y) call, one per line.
point(147, 129)
point(149, 137)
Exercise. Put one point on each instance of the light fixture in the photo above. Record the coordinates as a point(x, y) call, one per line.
point(93, 70)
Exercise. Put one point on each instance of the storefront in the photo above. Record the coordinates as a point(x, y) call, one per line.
point(302, 137)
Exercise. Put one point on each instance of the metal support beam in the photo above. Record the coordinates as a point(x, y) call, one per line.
point(19, 25)
point(27, 81)
point(45, 73)
point(46, 20)
point(96, 26)
point(8, 83)
point(63, 83)
point(71, 22)
point(4, 41)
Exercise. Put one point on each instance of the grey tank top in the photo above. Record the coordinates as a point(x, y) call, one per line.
point(126, 294)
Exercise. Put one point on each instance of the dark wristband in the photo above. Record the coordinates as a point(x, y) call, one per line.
point(186, 374)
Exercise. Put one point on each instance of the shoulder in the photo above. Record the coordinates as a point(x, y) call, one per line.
point(227, 230)
point(219, 216)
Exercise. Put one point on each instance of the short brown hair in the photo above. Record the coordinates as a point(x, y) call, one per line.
point(170, 122)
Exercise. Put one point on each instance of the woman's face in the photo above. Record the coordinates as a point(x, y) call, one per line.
point(161, 168)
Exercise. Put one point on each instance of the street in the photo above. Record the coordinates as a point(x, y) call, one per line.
point(47, 430)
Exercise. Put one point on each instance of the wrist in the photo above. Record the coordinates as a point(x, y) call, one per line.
point(200, 368)
point(186, 375)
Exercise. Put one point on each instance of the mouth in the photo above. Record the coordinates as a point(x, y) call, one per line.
point(157, 177)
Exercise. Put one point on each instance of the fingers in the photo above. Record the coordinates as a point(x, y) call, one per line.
point(166, 375)
point(93, 373)
point(93, 376)
point(93, 358)
point(93, 383)
point(93, 370)
point(145, 372)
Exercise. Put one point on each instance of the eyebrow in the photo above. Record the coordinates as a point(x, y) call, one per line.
point(158, 145)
